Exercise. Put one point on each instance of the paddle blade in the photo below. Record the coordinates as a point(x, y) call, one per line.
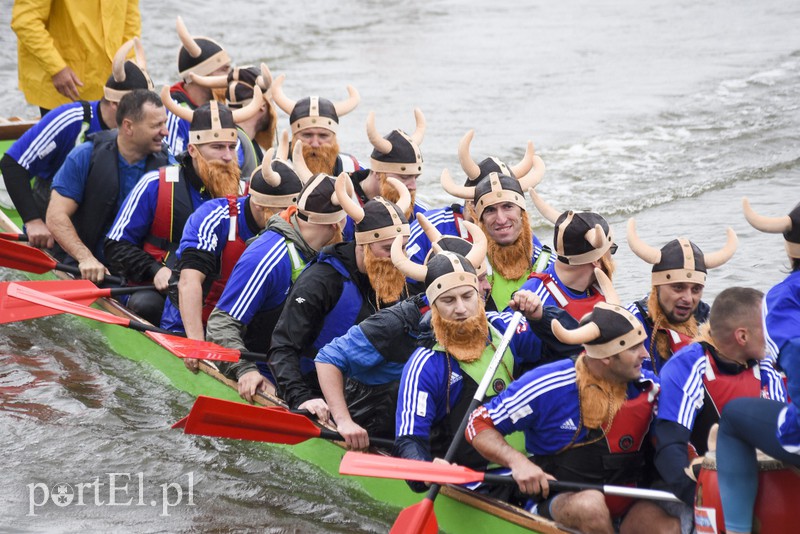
point(14, 309)
point(180, 423)
point(227, 419)
point(16, 256)
point(194, 348)
point(22, 292)
point(416, 519)
point(374, 465)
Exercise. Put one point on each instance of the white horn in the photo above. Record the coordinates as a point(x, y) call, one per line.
point(771, 225)
point(279, 97)
point(251, 109)
point(534, 177)
point(459, 191)
point(649, 254)
point(579, 336)
point(351, 207)
point(547, 211)
point(404, 264)
point(187, 40)
point(525, 164)
point(118, 64)
point(384, 146)
point(419, 132)
point(717, 258)
point(177, 110)
point(467, 163)
point(346, 106)
point(300, 167)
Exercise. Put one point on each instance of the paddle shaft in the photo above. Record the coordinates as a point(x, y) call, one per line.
point(13, 237)
point(335, 436)
point(71, 269)
point(479, 393)
point(622, 491)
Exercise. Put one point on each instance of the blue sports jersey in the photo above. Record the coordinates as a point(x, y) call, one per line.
point(70, 180)
point(544, 404)
point(261, 278)
point(138, 210)
point(538, 287)
point(422, 400)
point(683, 391)
point(44, 147)
point(782, 325)
point(207, 229)
point(178, 136)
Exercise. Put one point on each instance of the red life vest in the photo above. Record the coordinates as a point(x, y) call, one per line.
point(723, 388)
point(173, 208)
point(231, 253)
point(577, 308)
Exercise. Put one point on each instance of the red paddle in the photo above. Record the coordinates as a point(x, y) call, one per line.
point(227, 419)
point(185, 348)
point(79, 291)
point(373, 465)
point(17, 256)
point(13, 237)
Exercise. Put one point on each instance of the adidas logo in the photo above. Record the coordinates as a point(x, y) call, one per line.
point(299, 300)
point(569, 424)
point(455, 378)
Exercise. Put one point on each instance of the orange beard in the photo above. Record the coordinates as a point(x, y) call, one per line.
point(512, 261)
point(465, 340)
point(384, 277)
point(265, 129)
point(600, 399)
point(321, 159)
point(608, 265)
point(221, 179)
point(218, 94)
point(660, 339)
point(390, 193)
point(337, 238)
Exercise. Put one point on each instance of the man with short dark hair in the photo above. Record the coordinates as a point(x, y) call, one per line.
point(725, 362)
point(97, 175)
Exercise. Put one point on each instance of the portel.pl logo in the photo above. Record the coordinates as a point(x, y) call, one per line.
point(119, 489)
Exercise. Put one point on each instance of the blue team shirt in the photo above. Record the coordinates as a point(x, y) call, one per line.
point(537, 286)
point(683, 392)
point(422, 400)
point(45, 146)
point(544, 404)
point(782, 324)
point(138, 209)
point(260, 280)
point(207, 229)
point(70, 180)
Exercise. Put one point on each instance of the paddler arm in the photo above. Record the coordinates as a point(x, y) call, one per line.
point(672, 457)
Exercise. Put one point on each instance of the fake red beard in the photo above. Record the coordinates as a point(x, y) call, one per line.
point(511, 261)
point(465, 340)
point(321, 159)
point(390, 193)
point(221, 179)
point(384, 277)
point(265, 129)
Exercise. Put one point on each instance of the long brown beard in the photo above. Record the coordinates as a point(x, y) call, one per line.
point(465, 340)
point(390, 193)
point(321, 159)
point(384, 277)
point(218, 94)
point(659, 339)
point(512, 261)
point(600, 399)
point(221, 179)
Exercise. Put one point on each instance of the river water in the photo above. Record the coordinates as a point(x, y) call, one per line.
point(666, 111)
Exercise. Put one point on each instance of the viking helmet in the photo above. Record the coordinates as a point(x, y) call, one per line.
point(477, 171)
point(444, 270)
point(127, 76)
point(238, 84)
point(212, 122)
point(494, 188)
point(199, 55)
point(453, 243)
point(396, 152)
point(579, 237)
point(679, 260)
point(608, 330)
point(313, 111)
point(275, 184)
point(378, 219)
point(788, 225)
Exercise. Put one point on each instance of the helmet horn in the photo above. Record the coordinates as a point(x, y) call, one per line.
point(351, 207)
point(250, 110)
point(283, 146)
point(419, 131)
point(267, 172)
point(299, 162)
point(606, 287)
point(279, 97)
point(534, 177)
point(579, 336)
point(771, 225)
point(404, 264)
point(187, 40)
point(346, 106)
point(179, 111)
point(717, 258)
point(649, 254)
point(118, 65)
point(460, 191)
point(467, 163)
point(404, 202)
point(525, 164)
point(547, 211)
point(384, 146)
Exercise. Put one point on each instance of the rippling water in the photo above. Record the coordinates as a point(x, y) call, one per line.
point(666, 111)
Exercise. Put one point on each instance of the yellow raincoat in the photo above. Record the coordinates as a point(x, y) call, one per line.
point(81, 34)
